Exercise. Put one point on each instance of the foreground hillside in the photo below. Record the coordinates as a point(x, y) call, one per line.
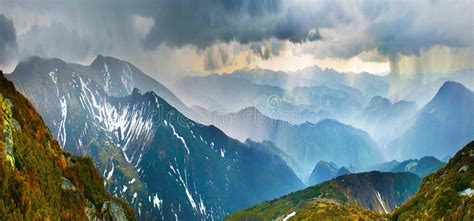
point(446, 194)
point(39, 181)
point(354, 196)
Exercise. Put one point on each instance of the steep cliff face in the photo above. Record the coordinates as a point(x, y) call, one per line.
point(38, 180)
point(445, 195)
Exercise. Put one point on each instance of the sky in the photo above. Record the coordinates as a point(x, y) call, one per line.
point(172, 38)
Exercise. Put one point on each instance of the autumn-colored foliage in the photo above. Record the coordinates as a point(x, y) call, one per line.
point(33, 169)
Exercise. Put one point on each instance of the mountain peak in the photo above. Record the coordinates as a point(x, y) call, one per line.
point(451, 93)
point(251, 109)
point(329, 121)
point(101, 60)
point(326, 163)
point(99, 57)
point(136, 92)
point(379, 100)
point(452, 87)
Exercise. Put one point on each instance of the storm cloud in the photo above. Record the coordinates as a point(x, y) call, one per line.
point(8, 44)
point(350, 28)
point(267, 29)
point(202, 23)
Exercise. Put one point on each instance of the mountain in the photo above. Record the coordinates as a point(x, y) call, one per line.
point(208, 92)
point(345, 196)
point(422, 167)
point(41, 181)
point(446, 194)
point(324, 171)
point(160, 161)
point(383, 119)
point(119, 78)
point(327, 140)
point(296, 105)
point(341, 103)
point(269, 77)
point(441, 126)
point(382, 167)
point(342, 171)
point(370, 85)
point(422, 93)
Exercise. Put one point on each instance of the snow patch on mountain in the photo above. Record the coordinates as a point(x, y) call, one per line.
point(184, 184)
point(108, 83)
point(126, 78)
point(379, 198)
point(157, 202)
point(52, 74)
point(62, 134)
point(111, 173)
point(467, 192)
point(128, 122)
point(411, 165)
point(287, 217)
point(180, 138)
point(222, 153)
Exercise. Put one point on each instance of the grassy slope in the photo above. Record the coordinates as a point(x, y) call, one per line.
point(438, 196)
point(30, 184)
point(316, 202)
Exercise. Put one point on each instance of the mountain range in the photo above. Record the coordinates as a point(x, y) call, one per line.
point(164, 164)
point(307, 143)
point(384, 120)
point(440, 127)
point(270, 137)
point(371, 103)
point(422, 167)
point(370, 85)
point(296, 105)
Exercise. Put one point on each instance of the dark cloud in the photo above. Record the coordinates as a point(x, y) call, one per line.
point(76, 29)
point(8, 44)
point(56, 40)
point(261, 51)
point(202, 23)
point(391, 27)
point(421, 25)
point(267, 49)
point(217, 56)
